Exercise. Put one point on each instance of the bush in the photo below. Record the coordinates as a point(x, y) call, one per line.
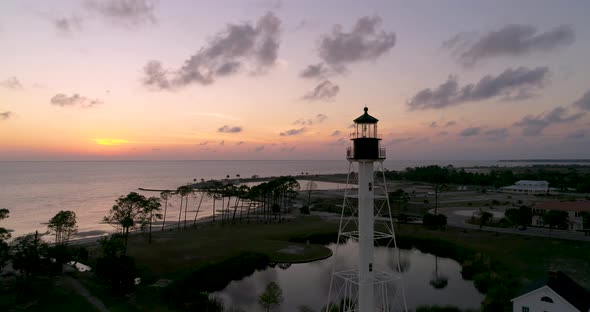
point(119, 271)
point(495, 202)
point(304, 210)
point(431, 220)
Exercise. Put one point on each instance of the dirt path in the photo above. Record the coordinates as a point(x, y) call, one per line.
point(74, 284)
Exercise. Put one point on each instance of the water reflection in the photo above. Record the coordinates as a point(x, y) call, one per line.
point(307, 284)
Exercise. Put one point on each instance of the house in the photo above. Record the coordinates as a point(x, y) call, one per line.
point(573, 208)
point(559, 294)
point(527, 187)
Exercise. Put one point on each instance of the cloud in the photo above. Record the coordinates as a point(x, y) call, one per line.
point(203, 143)
point(156, 149)
point(228, 129)
point(578, 134)
point(63, 100)
point(496, 134)
point(400, 140)
point(467, 132)
point(583, 102)
point(319, 118)
point(11, 83)
point(292, 132)
point(324, 91)
point(240, 47)
point(222, 143)
point(111, 142)
point(336, 133)
point(319, 71)
point(125, 12)
point(66, 25)
point(510, 40)
point(6, 115)
point(450, 123)
point(365, 42)
point(443, 133)
point(240, 143)
point(534, 125)
point(259, 148)
point(433, 124)
point(510, 85)
point(340, 141)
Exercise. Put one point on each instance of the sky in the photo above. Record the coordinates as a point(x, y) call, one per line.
point(270, 79)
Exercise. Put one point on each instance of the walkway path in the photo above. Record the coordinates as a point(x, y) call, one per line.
point(74, 284)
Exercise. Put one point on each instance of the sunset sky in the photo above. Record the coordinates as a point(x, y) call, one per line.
point(268, 79)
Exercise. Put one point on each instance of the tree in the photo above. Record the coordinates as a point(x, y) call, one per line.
point(165, 195)
point(438, 188)
point(309, 187)
point(400, 198)
point(63, 224)
point(127, 214)
point(28, 253)
point(484, 218)
point(4, 235)
point(556, 219)
point(522, 216)
point(271, 297)
point(151, 208)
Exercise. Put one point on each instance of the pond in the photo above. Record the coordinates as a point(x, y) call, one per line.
point(307, 284)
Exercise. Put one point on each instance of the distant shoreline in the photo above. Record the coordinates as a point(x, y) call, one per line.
point(547, 160)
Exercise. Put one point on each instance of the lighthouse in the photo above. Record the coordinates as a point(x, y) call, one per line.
point(366, 219)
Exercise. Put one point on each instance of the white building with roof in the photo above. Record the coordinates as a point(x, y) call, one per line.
point(527, 187)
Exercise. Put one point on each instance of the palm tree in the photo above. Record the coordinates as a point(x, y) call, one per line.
point(198, 208)
point(438, 188)
point(183, 191)
point(165, 195)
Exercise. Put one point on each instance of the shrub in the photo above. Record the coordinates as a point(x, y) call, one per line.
point(431, 220)
point(304, 210)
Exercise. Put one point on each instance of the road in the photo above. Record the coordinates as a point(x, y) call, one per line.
point(457, 220)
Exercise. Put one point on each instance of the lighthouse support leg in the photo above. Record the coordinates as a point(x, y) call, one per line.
point(366, 227)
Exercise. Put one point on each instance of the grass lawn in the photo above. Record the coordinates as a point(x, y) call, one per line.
point(526, 257)
point(174, 253)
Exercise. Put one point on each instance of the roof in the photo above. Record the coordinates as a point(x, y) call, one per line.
point(366, 118)
point(565, 287)
point(531, 182)
point(583, 205)
point(569, 290)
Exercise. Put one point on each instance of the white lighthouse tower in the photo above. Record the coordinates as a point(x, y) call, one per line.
point(367, 220)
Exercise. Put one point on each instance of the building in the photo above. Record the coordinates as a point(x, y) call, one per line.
point(527, 187)
point(573, 208)
point(558, 294)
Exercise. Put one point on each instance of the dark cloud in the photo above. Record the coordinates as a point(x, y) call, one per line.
point(125, 12)
point(6, 115)
point(583, 102)
point(433, 124)
point(510, 40)
point(242, 47)
point(222, 143)
point(292, 132)
point(320, 117)
point(228, 129)
point(450, 123)
point(63, 100)
point(336, 133)
point(534, 125)
point(578, 134)
point(11, 83)
point(240, 143)
point(443, 133)
point(259, 148)
point(324, 91)
point(365, 42)
point(467, 132)
point(319, 71)
point(496, 134)
point(156, 149)
point(66, 25)
point(510, 85)
point(203, 143)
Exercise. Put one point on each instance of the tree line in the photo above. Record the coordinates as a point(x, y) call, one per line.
point(561, 177)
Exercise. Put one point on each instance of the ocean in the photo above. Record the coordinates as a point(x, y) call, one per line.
point(35, 191)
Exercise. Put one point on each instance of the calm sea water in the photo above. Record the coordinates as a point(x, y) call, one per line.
point(36, 191)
